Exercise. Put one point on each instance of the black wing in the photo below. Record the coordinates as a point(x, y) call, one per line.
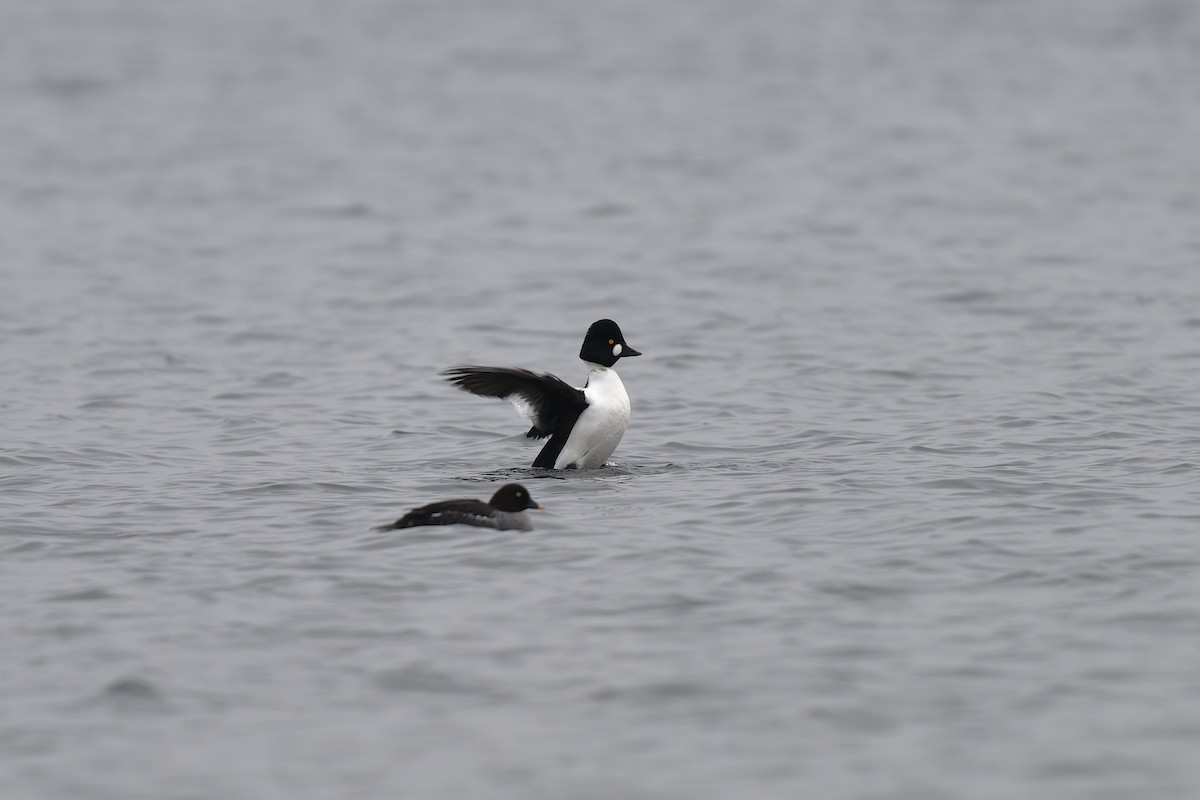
point(448, 512)
point(554, 405)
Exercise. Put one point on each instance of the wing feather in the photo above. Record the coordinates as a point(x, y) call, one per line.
point(545, 399)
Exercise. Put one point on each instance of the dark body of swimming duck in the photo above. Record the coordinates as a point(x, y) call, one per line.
point(505, 511)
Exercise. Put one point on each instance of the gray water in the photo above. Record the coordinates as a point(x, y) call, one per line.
point(909, 504)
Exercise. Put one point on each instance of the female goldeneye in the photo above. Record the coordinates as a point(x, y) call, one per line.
point(505, 511)
point(584, 425)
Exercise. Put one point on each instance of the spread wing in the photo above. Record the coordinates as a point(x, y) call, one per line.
point(545, 399)
point(448, 512)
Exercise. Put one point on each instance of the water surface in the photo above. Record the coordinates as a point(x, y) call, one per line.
point(908, 506)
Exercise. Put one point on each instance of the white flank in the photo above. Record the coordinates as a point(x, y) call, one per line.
point(600, 427)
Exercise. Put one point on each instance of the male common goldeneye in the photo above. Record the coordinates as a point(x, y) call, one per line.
point(584, 425)
point(505, 511)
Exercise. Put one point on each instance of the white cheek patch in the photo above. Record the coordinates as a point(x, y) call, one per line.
point(616, 350)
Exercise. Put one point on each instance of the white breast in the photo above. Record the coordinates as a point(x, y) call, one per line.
point(600, 427)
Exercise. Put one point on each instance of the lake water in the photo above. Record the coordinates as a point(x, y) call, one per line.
point(909, 506)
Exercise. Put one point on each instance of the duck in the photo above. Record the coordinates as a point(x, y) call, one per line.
point(584, 425)
point(505, 511)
